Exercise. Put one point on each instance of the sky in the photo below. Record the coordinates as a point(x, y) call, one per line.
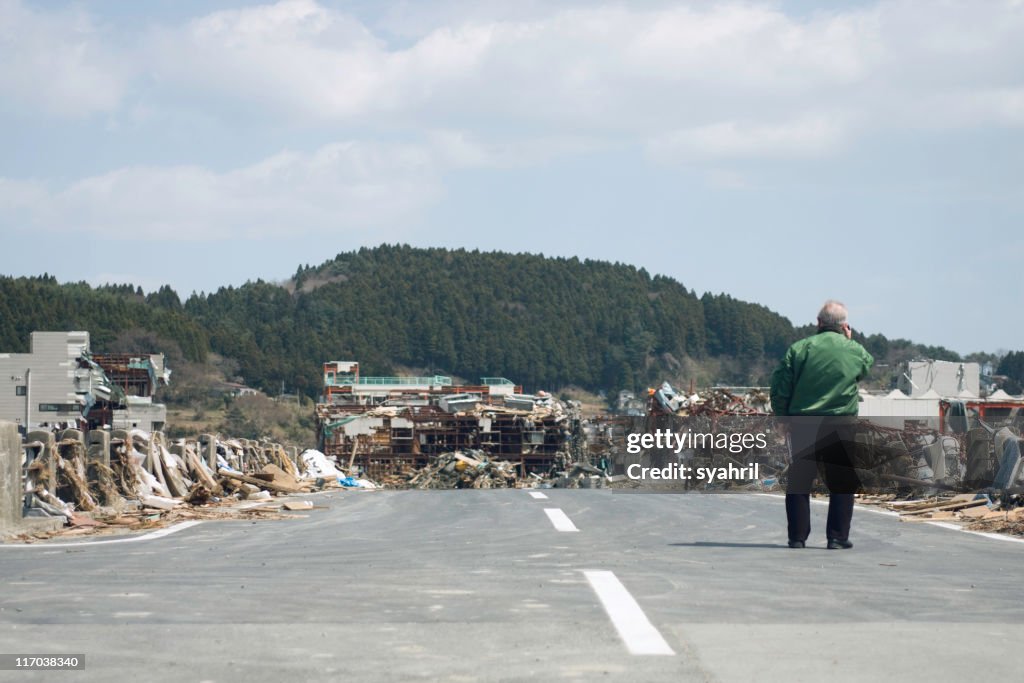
point(780, 152)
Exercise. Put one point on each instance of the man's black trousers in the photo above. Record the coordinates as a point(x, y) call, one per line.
point(821, 445)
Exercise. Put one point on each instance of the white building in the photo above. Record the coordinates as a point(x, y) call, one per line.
point(54, 383)
point(59, 383)
point(945, 378)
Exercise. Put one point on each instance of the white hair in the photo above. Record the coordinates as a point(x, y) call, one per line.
point(832, 314)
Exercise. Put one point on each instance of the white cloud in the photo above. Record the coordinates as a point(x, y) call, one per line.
point(604, 69)
point(608, 67)
point(294, 55)
point(350, 186)
point(808, 137)
point(460, 149)
point(569, 67)
point(487, 84)
point(56, 62)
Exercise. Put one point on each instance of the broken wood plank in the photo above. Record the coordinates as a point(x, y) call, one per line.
point(84, 521)
point(269, 485)
point(159, 502)
point(201, 473)
point(949, 506)
point(176, 484)
point(912, 503)
point(976, 512)
point(472, 462)
point(352, 458)
point(279, 476)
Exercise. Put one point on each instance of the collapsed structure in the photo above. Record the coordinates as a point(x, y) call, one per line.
point(101, 480)
point(937, 435)
point(60, 382)
point(384, 425)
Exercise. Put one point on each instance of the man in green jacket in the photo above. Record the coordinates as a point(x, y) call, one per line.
point(814, 389)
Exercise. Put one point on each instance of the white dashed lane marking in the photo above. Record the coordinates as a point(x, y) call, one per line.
point(635, 629)
point(560, 519)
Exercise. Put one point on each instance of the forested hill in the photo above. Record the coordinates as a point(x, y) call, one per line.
point(543, 322)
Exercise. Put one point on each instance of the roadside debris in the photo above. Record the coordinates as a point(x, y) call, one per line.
point(974, 511)
point(459, 470)
point(137, 480)
point(388, 427)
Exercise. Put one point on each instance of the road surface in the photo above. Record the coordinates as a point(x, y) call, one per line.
point(505, 585)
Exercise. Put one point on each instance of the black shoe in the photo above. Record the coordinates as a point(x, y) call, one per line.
point(836, 544)
point(796, 544)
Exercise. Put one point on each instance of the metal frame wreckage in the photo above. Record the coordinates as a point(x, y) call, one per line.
point(386, 425)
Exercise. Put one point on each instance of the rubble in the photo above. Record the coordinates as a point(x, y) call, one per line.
point(973, 511)
point(388, 425)
point(458, 470)
point(575, 475)
point(316, 466)
point(131, 480)
point(713, 401)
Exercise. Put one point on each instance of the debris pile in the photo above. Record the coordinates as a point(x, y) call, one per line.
point(469, 469)
point(899, 455)
point(132, 479)
point(975, 511)
point(920, 459)
point(578, 475)
point(713, 401)
point(387, 425)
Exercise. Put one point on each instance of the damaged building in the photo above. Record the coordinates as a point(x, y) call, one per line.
point(392, 424)
point(61, 383)
point(137, 376)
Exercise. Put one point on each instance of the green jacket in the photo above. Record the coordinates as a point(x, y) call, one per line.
point(819, 375)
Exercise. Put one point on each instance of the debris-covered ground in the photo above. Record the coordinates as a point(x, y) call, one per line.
point(149, 483)
point(474, 469)
point(969, 471)
point(972, 511)
point(457, 470)
point(972, 478)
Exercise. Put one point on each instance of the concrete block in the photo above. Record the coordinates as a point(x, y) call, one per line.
point(980, 464)
point(98, 449)
point(11, 487)
point(208, 446)
point(72, 435)
point(47, 450)
point(936, 455)
point(1009, 463)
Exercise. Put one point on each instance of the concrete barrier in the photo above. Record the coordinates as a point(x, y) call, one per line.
point(72, 435)
point(48, 450)
point(99, 447)
point(208, 446)
point(11, 493)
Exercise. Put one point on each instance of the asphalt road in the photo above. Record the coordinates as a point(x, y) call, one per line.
point(481, 585)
